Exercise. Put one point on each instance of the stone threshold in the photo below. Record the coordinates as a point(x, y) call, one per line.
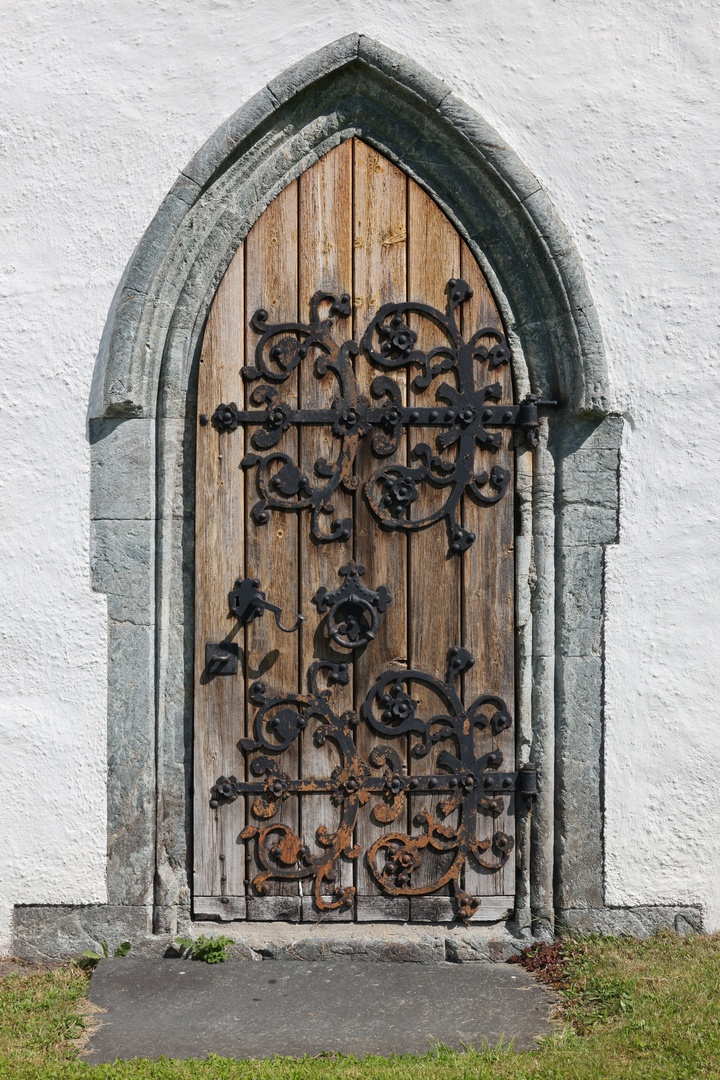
point(43, 932)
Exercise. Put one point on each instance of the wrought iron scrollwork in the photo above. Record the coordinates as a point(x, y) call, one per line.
point(471, 783)
point(276, 356)
point(393, 489)
point(353, 609)
point(466, 413)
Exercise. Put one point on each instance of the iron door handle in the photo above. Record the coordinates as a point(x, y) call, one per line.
point(247, 602)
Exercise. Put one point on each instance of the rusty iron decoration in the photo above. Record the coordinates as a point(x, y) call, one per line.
point(353, 609)
point(465, 413)
point(471, 783)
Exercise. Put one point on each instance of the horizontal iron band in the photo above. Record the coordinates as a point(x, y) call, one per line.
point(438, 784)
point(492, 416)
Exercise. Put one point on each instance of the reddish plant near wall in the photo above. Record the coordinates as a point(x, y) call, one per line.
point(545, 961)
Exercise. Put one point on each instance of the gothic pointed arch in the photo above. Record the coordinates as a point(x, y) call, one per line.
point(142, 427)
point(355, 86)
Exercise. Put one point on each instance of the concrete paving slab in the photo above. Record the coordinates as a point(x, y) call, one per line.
point(246, 1009)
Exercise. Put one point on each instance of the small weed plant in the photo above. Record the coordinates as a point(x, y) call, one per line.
point(89, 958)
point(210, 950)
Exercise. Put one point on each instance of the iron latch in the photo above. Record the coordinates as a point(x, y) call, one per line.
point(247, 602)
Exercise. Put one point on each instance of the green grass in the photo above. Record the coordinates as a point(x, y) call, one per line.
point(633, 1009)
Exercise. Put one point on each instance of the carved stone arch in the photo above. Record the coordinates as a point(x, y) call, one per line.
point(142, 430)
point(354, 86)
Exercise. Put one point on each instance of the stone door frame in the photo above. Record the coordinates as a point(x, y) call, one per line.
point(142, 430)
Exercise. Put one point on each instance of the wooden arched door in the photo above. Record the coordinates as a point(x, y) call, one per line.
point(355, 410)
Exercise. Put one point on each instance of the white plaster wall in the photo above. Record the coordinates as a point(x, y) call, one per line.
point(615, 108)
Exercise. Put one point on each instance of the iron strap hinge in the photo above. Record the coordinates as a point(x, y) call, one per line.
point(468, 407)
point(525, 415)
point(475, 784)
point(524, 782)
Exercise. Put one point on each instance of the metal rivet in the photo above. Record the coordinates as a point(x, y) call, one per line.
point(204, 419)
point(432, 415)
point(222, 858)
point(432, 782)
point(414, 415)
point(224, 900)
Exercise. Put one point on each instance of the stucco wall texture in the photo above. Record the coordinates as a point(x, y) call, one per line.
point(615, 109)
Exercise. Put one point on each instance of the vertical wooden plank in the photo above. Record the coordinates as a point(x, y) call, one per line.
point(345, 226)
point(271, 282)
point(434, 574)
point(219, 558)
point(325, 261)
point(488, 589)
point(380, 270)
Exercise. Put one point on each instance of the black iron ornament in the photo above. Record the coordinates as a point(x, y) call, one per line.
point(247, 603)
point(353, 609)
point(471, 783)
point(221, 657)
point(226, 417)
point(465, 413)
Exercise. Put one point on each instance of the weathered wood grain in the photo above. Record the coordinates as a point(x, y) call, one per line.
point(434, 616)
point(488, 591)
point(441, 909)
point(380, 276)
point(352, 223)
point(271, 282)
point(225, 908)
point(325, 261)
point(273, 908)
point(382, 909)
point(219, 855)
